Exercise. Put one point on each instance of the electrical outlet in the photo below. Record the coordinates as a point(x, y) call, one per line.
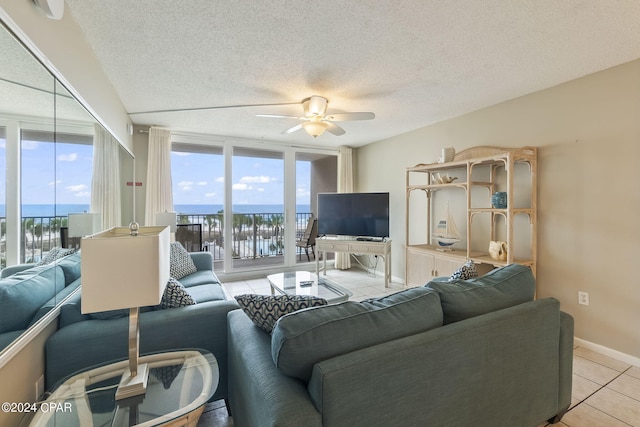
point(583, 298)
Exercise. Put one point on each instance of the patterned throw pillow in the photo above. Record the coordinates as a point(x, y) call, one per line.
point(467, 271)
point(265, 310)
point(55, 254)
point(175, 295)
point(181, 264)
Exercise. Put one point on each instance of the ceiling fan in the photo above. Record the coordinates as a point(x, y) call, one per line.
point(317, 120)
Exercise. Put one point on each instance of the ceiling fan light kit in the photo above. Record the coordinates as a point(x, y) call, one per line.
point(315, 128)
point(317, 120)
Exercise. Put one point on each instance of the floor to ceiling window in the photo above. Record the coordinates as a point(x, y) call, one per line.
point(247, 204)
point(55, 181)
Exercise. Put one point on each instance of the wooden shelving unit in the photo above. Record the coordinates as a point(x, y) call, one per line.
point(487, 168)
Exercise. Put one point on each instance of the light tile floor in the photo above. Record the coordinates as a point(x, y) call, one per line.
point(606, 392)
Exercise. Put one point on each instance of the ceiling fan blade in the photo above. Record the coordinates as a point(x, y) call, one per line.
point(292, 129)
point(344, 117)
point(280, 116)
point(334, 129)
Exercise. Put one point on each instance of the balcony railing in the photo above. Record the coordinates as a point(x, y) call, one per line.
point(254, 235)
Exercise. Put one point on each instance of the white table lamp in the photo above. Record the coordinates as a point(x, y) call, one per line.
point(84, 224)
point(123, 270)
point(167, 219)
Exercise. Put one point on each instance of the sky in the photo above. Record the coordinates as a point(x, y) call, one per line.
point(197, 178)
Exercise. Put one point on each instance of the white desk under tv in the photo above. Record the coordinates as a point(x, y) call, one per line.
point(353, 246)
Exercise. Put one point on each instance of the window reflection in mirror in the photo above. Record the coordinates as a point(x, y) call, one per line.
point(46, 168)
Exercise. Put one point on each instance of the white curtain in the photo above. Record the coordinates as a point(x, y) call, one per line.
point(345, 185)
point(105, 181)
point(159, 191)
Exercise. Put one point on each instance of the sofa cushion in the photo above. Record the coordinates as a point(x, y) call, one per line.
point(205, 293)
point(181, 264)
point(200, 277)
point(23, 293)
point(175, 295)
point(500, 288)
point(71, 267)
point(304, 338)
point(265, 310)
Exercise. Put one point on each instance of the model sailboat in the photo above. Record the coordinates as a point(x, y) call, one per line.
point(446, 233)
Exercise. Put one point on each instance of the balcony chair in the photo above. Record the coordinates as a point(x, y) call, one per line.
point(308, 239)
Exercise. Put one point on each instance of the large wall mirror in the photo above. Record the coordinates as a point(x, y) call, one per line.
point(48, 142)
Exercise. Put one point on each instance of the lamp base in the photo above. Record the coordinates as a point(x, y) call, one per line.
point(133, 386)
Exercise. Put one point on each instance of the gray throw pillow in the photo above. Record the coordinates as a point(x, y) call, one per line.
point(55, 254)
point(181, 264)
point(265, 310)
point(175, 295)
point(467, 271)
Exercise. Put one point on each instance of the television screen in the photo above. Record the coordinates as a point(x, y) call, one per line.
point(353, 214)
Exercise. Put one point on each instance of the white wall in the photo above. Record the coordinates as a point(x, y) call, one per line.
point(588, 134)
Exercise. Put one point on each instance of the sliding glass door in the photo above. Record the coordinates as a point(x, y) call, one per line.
point(248, 204)
point(257, 206)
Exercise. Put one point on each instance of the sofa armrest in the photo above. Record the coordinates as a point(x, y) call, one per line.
point(8, 271)
point(202, 260)
point(566, 360)
point(88, 343)
point(259, 394)
point(501, 367)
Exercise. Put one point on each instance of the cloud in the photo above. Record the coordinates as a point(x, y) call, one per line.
point(220, 179)
point(202, 183)
point(79, 187)
point(241, 187)
point(51, 184)
point(71, 157)
point(83, 194)
point(261, 190)
point(180, 153)
point(256, 179)
point(209, 194)
point(185, 185)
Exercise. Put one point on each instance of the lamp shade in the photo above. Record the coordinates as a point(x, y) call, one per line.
point(167, 219)
point(84, 224)
point(124, 271)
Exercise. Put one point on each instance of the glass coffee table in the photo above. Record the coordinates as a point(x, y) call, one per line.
point(179, 386)
point(306, 283)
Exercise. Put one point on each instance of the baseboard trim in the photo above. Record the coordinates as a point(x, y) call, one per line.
point(623, 357)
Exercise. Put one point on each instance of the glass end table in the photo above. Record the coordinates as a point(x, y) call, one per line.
point(180, 384)
point(306, 283)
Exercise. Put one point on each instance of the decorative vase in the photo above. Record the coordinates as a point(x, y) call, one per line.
point(498, 250)
point(499, 200)
point(447, 155)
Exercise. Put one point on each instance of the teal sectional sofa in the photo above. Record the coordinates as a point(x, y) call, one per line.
point(29, 291)
point(478, 352)
point(86, 340)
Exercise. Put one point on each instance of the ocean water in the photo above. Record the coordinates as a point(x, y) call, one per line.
point(65, 209)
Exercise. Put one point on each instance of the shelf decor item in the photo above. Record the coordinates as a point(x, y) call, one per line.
point(499, 200)
point(446, 233)
point(447, 155)
point(498, 250)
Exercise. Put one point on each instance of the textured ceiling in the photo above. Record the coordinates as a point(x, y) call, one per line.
point(413, 62)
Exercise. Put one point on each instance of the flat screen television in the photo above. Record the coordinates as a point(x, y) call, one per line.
point(353, 214)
